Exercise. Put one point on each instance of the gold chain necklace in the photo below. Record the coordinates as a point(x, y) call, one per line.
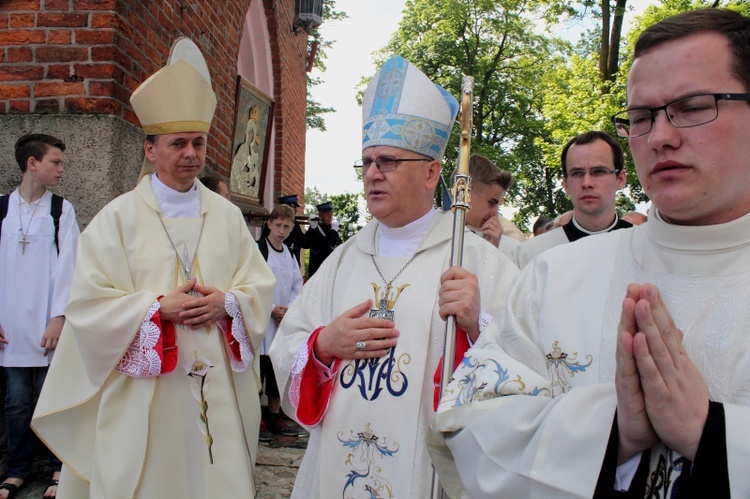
point(23, 242)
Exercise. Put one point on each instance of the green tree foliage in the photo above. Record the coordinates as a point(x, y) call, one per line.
point(345, 209)
point(495, 42)
point(316, 110)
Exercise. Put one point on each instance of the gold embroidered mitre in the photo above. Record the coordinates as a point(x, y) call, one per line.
point(178, 97)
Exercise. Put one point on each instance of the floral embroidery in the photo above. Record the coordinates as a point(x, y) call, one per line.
point(198, 370)
point(472, 385)
point(561, 365)
point(367, 449)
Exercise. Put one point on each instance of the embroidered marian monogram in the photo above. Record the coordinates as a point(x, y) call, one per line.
point(560, 365)
point(375, 375)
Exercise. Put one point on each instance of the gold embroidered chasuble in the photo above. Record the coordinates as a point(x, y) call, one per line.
point(373, 433)
point(122, 436)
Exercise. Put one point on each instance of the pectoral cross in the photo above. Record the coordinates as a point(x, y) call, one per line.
point(188, 271)
point(23, 242)
point(382, 311)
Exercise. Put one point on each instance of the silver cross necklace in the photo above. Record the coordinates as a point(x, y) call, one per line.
point(23, 242)
point(186, 265)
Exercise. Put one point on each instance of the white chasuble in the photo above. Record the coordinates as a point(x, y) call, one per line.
point(124, 436)
point(372, 437)
point(372, 450)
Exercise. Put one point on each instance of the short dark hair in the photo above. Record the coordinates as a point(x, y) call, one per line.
point(212, 182)
point(618, 159)
point(282, 211)
point(542, 222)
point(485, 171)
point(733, 26)
point(35, 145)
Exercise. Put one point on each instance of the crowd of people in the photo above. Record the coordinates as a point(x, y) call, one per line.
point(153, 333)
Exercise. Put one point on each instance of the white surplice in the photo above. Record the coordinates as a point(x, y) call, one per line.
point(373, 432)
point(35, 281)
point(288, 285)
point(562, 323)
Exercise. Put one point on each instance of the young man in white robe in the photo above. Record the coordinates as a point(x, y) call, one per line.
point(488, 186)
point(635, 343)
point(286, 269)
point(37, 259)
point(152, 392)
point(357, 353)
point(593, 168)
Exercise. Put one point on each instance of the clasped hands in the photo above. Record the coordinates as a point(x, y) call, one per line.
point(661, 394)
point(180, 307)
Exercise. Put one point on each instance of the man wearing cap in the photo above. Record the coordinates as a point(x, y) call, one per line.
point(321, 237)
point(151, 393)
point(357, 353)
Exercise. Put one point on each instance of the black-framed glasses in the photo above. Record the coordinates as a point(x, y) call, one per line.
point(686, 112)
point(384, 163)
point(595, 172)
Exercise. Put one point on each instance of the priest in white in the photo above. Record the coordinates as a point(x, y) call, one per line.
point(642, 338)
point(152, 393)
point(593, 168)
point(357, 353)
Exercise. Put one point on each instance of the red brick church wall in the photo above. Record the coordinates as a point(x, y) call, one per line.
point(87, 56)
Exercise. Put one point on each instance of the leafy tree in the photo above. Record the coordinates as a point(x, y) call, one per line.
point(495, 42)
point(345, 209)
point(316, 42)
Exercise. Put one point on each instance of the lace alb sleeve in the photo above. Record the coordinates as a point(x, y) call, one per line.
point(239, 333)
point(298, 365)
point(140, 359)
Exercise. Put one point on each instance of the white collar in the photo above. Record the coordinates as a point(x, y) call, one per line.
point(404, 241)
point(176, 204)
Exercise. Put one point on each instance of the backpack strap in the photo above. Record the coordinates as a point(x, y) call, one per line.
point(3, 210)
point(263, 247)
point(56, 211)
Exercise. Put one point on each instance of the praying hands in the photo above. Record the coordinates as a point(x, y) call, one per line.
point(661, 395)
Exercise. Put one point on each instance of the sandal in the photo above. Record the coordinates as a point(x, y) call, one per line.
point(12, 488)
point(52, 483)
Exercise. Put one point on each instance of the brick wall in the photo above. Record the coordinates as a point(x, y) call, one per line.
point(87, 56)
point(289, 53)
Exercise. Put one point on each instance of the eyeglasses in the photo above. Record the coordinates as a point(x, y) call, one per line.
point(687, 112)
point(595, 172)
point(383, 163)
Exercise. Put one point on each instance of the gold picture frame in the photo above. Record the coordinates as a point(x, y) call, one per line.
point(251, 140)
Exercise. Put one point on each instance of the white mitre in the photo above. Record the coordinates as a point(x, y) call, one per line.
point(403, 108)
point(177, 98)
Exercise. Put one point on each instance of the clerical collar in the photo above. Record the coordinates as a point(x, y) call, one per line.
point(574, 231)
point(404, 241)
point(176, 204)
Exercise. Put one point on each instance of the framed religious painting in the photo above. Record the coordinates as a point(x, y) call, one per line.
point(251, 140)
